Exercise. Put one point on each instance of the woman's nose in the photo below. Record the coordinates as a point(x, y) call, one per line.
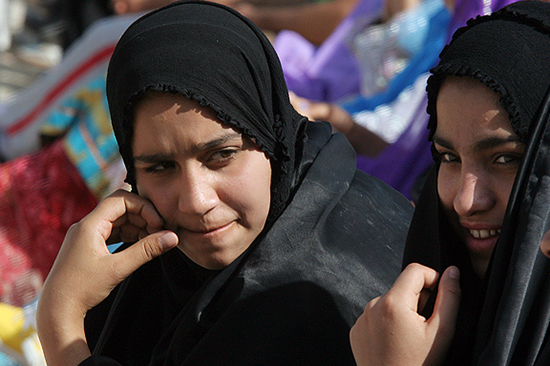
point(474, 195)
point(197, 192)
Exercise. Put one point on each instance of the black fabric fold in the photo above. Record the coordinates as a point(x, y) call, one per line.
point(503, 319)
point(333, 239)
point(291, 298)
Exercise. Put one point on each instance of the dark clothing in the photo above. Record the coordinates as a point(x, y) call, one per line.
point(291, 299)
point(332, 241)
point(503, 318)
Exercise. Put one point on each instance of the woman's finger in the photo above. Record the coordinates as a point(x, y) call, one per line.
point(412, 283)
point(153, 245)
point(125, 207)
point(441, 325)
point(447, 302)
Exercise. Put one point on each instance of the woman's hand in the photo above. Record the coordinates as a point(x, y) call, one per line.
point(322, 111)
point(364, 141)
point(392, 332)
point(85, 272)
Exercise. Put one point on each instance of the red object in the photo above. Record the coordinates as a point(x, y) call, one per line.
point(41, 196)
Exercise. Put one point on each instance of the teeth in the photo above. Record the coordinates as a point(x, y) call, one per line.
point(484, 233)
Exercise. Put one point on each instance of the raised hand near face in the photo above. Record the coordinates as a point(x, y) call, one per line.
point(85, 272)
point(392, 332)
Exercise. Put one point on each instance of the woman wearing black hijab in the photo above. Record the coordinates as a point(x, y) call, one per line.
point(280, 240)
point(492, 223)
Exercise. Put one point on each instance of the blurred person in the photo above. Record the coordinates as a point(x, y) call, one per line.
point(137, 6)
point(315, 21)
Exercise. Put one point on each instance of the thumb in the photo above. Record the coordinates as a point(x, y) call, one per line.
point(146, 249)
point(443, 320)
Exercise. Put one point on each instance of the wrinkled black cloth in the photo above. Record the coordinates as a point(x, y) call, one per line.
point(503, 319)
point(289, 300)
point(333, 239)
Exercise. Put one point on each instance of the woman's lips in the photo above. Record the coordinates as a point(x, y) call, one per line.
point(209, 230)
point(482, 241)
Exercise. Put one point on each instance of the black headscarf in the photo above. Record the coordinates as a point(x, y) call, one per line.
point(204, 60)
point(334, 237)
point(504, 318)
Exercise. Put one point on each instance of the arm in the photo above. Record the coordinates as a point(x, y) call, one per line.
point(314, 21)
point(391, 332)
point(364, 141)
point(85, 272)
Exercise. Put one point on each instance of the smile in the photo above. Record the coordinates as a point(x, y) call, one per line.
point(483, 234)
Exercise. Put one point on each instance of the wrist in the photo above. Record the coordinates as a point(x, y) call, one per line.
point(61, 333)
point(341, 120)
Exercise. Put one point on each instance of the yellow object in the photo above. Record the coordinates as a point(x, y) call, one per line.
point(12, 327)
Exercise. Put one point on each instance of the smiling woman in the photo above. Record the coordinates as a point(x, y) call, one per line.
point(251, 237)
point(483, 210)
point(478, 154)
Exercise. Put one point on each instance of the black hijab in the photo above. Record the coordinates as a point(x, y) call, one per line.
point(204, 60)
point(504, 318)
point(334, 236)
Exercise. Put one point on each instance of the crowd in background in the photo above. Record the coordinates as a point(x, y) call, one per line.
point(360, 64)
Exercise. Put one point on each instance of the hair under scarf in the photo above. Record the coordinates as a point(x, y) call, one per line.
point(504, 319)
point(220, 59)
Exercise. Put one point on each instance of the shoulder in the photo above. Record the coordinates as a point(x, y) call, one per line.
point(378, 192)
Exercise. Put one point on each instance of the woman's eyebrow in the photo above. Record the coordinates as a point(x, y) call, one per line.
point(216, 142)
point(151, 158)
point(161, 156)
point(492, 142)
point(443, 142)
point(484, 144)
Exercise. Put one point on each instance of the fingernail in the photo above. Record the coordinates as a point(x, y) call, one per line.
point(168, 240)
point(454, 273)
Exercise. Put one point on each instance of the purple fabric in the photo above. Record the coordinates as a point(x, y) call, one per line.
point(329, 72)
point(401, 164)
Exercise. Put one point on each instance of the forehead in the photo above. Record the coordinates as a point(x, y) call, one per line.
point(171, 121)
point(468, 111)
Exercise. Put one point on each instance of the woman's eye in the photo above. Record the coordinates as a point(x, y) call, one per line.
point(508, 159)
point(159, 167)
point(448, 157)
point(222, 156)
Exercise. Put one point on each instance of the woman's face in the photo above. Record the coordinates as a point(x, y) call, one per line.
point(480, 155)
point(210, 183)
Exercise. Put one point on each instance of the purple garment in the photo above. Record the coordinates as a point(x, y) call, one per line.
point(403, 162)
point(329, 72)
